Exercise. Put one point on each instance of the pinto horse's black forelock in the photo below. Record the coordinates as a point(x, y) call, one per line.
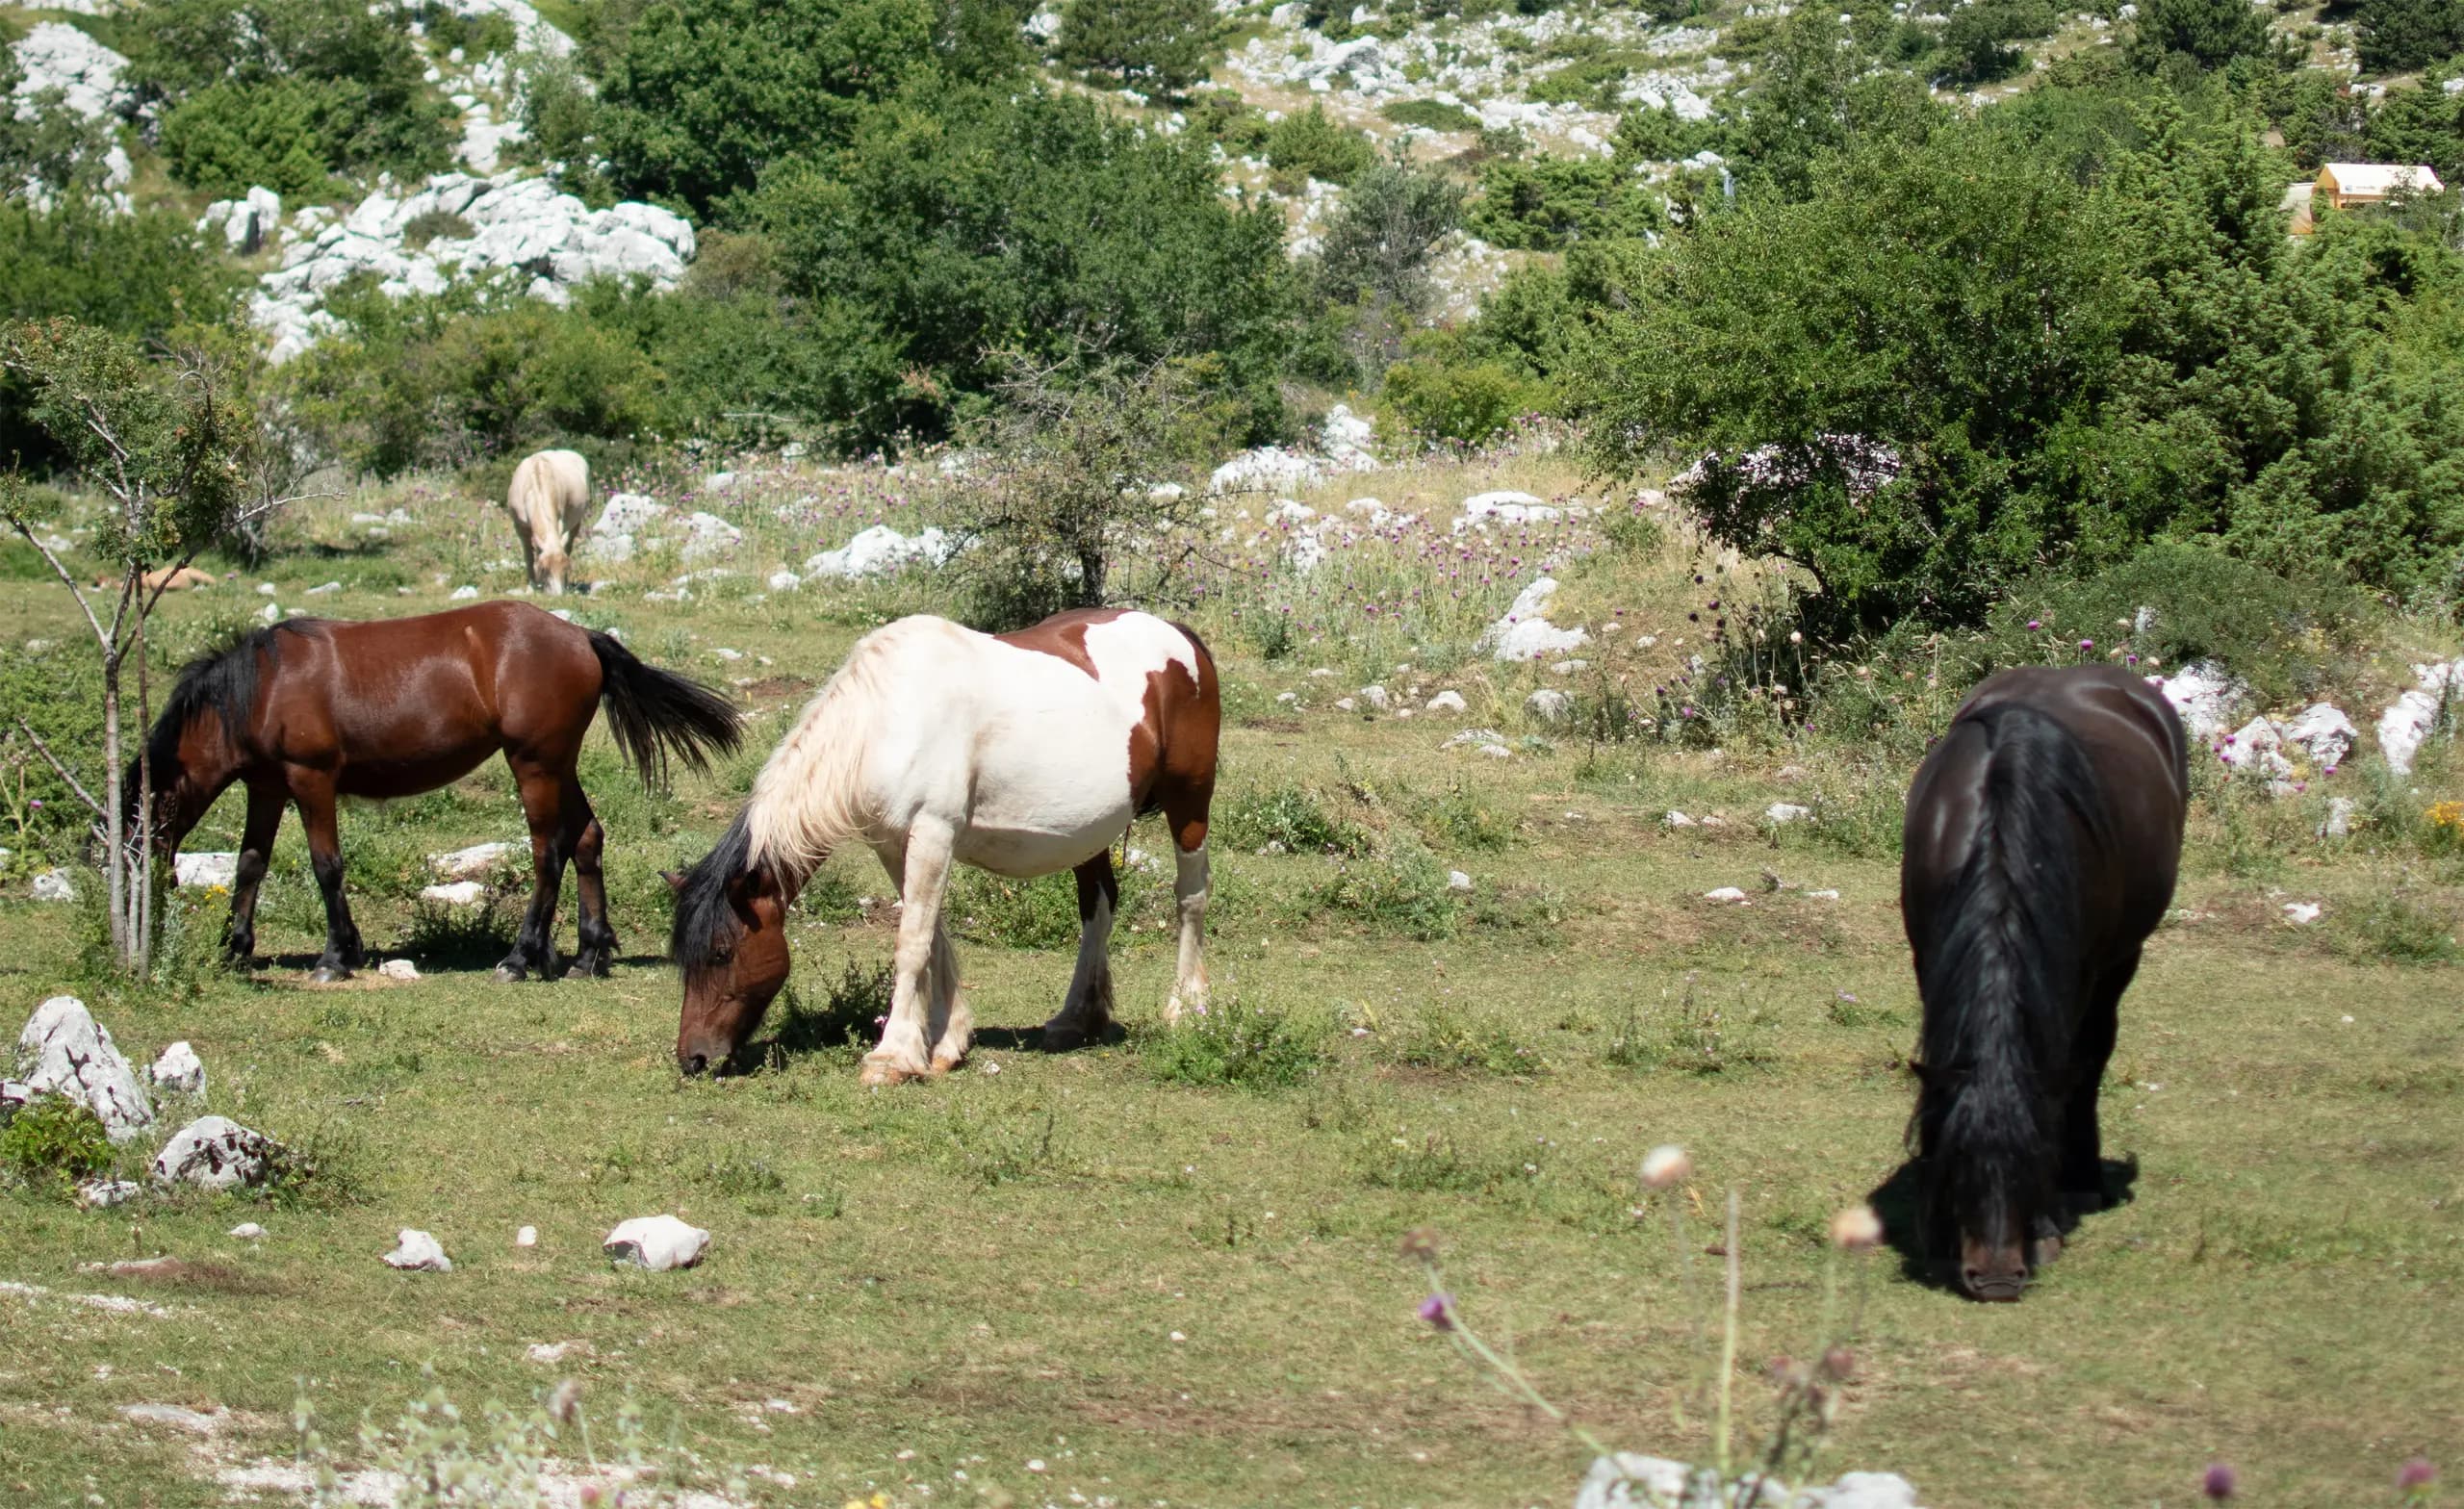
point(703, 915)
point(2004, 963)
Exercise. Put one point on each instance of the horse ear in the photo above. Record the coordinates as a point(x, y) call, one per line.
point(1924, 1076)
point(675, 881)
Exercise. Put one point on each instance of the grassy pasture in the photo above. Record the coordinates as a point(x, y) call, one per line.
point(1168, 1289)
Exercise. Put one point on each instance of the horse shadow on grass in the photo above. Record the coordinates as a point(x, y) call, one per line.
point(849, 1014)
point(1899, 1200)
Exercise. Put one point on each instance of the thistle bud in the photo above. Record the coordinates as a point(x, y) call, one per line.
point(1665, 1166)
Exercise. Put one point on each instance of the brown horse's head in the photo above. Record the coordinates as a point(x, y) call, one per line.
point(731, 941)
point(1991, 1211)
point(194, 750)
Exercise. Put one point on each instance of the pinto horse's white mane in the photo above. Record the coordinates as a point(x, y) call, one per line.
point(810, 796)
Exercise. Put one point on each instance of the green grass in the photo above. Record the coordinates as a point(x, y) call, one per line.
point(970, 1274)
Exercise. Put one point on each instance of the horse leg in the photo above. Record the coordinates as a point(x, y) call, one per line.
point(256, 847)
point(584, 838)
point(2082, 1180)
point(313, 791)
point(1088, 1007)
point(534, 947)
point(949, 1022)
point(925, 866)
point(1189, 877)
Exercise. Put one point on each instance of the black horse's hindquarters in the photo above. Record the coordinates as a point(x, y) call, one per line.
point(2042, 841)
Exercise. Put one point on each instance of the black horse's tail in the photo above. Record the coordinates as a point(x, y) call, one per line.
point(1999, 981)
point(656, 713)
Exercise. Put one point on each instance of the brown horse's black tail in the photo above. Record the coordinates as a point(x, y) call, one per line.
point(654, 713)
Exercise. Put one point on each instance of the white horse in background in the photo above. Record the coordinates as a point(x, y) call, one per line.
point(1022, 753)
point(549, 499)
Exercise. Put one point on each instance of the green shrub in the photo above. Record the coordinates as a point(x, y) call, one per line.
point(435, 225)
point(1165, 44)
point(1300, 818)
point(2398, 35)
point(1430, 114)
point(1310, 142)
point(1460, 820)
point(53, 1144)
point(1468, 402)
point(1439, 1036)
point(1400, 890)
point(226, 138)
point(1234, 1043)
point(2395, 924)
point(1548, 203)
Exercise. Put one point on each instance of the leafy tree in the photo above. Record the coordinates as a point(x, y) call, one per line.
point(1061, 497)
point(1979, 37)
point(2421, 124)
point(1873, 370)
point(710, 94)
point(1814, 92)
point(2208, 33)
point(172, 446)
point(1309, 143)
point(1548, 203)
point(1167, 44)
point(2398, 36)
point(343, 72)
point(973, 220)
point(1377, 245)
point(229, 136)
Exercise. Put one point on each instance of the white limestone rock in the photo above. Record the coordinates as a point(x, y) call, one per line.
point(215, 1153)
point(1375, 698)
point(54, 55)
point(1550, 706)
point(1525, 633)
point(463, 864)
point(206, 869)
point(2323, 732)
point(656, 1242)
point(1780, 814)
point(881, 552)
point(179, 1071)
point(402, 969)
point(2206, 698)
point(1447, 702)
point(418, 1252)
point(628, 513)
point(708, 537)
point(460, 893)
point(54, 885)
point(1729, 894)
point(1504, 507)
point(63, 1051)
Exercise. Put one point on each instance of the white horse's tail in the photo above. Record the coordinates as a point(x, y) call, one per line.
point(810, 796)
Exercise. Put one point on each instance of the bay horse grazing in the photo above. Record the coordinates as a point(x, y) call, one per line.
point(549, 499)
point(1023, 754)
point(2041, 840)
point(311, 710)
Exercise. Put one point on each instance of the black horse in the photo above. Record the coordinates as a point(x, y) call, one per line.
point(2041, 840)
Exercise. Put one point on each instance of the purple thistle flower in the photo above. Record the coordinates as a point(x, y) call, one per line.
point(2033, 624)
point(1438, 1310)
point(2416, 1475)
point(2221, 1481)
point(2087, 644)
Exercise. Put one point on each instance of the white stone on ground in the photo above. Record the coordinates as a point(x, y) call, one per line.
point(627, 513)
point(100, 1194)
point(209, 868)
point(63, 1051)
point(1726, 893)
point(1550, 706)
point(2205, 696)
point(56, 56)
point(2338, 823)
point(1375, 698)
point(178, 1417)
point(248, 1230)
point(527, 1237)
point(656, 1242)
point(399, 969)
point(1482, 509)
point(463, 594)
point(1457, 881)
point(1447, 702)
point(706, 538)
point(2411, 718)
point(460, 893)
point(463, 864)
point(881, 552)
point(54, 885)
point(2322, 731)
point(1525, 632)
point(215, 1153)
point(179, 1070)
point(1780, 814)
point(416, 1251)
point(2302, 914)
point(2257, 748)
point(1677, 820)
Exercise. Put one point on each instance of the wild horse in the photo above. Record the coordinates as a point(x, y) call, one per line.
point(311, 710)
point(2042, 837)
point(1023, 754)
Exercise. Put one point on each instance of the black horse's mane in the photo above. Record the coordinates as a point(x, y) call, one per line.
point(2008, 935)
point(222, 682)
point(703, 912)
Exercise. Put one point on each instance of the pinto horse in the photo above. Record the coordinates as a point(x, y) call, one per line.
point(2041, 840)
point(310, 710)
point(1023, 754)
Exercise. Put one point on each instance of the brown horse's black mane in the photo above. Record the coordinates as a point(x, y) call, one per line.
point(703, 912)
point(222, 682)
point(2003, 964)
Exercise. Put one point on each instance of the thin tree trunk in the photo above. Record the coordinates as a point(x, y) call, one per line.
point(140, 863)
point(115, 787)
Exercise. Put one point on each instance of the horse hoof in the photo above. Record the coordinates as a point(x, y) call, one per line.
point(943, 1064)
point(1057, 1039)
point(878, 1074)
point(512, 973)
point(329, 973)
